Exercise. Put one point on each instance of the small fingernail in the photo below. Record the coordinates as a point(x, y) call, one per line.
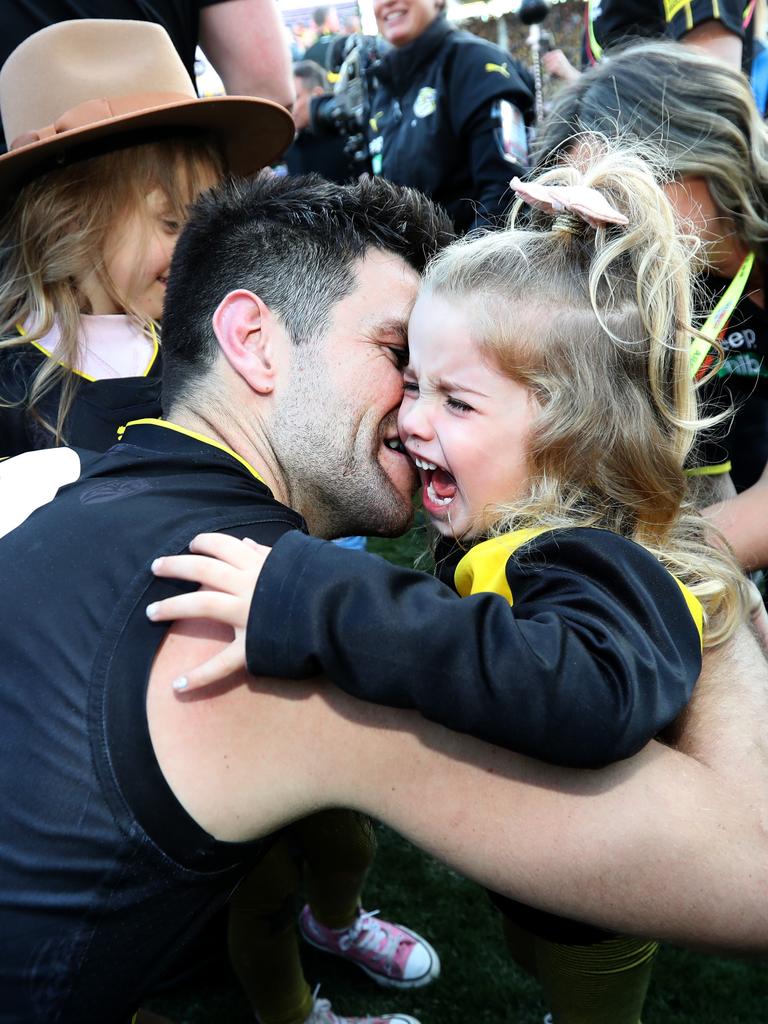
point(156, 564)
point(251, 541)
point(181, 683)
point(152, 610)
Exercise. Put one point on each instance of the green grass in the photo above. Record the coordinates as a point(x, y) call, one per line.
point(479, 984)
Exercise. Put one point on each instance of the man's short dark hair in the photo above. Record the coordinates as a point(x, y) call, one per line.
point(310, 72)
point(319, 16)
point(293, 242)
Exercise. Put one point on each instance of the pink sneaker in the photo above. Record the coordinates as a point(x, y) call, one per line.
point(323, 1014)
point(393, 956)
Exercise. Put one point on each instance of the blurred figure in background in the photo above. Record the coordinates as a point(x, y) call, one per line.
point(350, 26)
point(713, 158)
point(312, 151)
point(87, 234)
point(327, 25)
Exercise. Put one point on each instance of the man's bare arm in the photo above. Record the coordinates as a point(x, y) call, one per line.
point(742, 520)
point(716, 40)
point(246, 43)
point(725, 726)
point(659, 845)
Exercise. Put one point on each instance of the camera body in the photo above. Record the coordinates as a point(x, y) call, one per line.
point(347, 109)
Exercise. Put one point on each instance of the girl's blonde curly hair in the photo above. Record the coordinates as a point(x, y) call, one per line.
point(597, 325)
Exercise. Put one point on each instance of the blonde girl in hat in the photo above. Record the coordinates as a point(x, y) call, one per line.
point(549, 410)
point(108, 147)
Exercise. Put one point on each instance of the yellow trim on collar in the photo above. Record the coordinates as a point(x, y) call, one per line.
point(49, 355)
point(86, 376)
point(198, 437)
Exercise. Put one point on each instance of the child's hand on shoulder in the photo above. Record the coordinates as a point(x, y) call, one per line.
point(227, 570)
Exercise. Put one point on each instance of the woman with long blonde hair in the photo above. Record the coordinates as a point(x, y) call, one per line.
point(713, 160)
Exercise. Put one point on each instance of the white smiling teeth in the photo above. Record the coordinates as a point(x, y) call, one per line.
point(423, 464)
point(434, 498)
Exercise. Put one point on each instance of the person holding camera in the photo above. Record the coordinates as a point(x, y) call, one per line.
point(448, 112)
point(323, 151)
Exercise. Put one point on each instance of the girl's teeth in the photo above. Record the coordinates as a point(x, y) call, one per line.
point(423, 464)
point(434, 498)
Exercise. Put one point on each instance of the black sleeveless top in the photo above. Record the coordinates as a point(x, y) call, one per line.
point(103, 875)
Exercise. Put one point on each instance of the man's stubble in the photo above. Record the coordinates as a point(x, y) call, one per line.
point(328, 450)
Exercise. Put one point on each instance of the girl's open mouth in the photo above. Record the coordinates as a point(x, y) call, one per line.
point(440, 487)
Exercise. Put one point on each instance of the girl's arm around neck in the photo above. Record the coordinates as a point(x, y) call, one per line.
point(596, 656)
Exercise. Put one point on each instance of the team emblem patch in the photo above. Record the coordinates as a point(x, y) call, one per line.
point(426, 102)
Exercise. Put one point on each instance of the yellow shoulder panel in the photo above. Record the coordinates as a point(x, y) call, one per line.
point(483, 569)
point(694, 607)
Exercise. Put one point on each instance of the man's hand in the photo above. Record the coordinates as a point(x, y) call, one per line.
point(557, 64)
point(228, 570)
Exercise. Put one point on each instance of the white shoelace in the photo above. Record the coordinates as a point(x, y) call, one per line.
point(324, 1006)
point(367, 933)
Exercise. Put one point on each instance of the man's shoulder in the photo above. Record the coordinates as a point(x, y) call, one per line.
point(156, 498)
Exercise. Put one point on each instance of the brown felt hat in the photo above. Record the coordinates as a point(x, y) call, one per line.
point(90, 80)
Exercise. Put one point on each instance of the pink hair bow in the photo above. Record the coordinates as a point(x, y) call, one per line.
point(586, 203)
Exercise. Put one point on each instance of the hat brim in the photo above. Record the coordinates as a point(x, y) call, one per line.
point(252, 133)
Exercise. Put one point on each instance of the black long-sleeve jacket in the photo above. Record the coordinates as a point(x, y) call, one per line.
point(599, 652)
point(98, 409)
point(439, 124)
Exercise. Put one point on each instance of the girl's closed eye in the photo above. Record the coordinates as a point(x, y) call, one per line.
point(173, 227)
point(457, 406)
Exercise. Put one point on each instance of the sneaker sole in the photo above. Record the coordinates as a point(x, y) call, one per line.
point(380, 979)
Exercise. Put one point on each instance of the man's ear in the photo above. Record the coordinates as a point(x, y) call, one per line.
point(244, 328)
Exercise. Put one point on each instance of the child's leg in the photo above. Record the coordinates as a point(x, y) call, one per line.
point(338, 848)
point(263, 942)
point(521, 944)
point(588, 976)
point(603, 983)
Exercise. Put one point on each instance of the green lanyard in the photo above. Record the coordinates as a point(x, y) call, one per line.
point(595, 47)
point(718, 319)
